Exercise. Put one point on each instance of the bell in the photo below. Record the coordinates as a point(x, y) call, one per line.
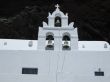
point(58, 21)
point(66, 44)
point(50, 44)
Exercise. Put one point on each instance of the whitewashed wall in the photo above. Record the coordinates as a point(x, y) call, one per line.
point(16, 44)
point(66, 66)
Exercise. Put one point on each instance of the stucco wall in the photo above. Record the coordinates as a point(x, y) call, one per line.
point(57, 66)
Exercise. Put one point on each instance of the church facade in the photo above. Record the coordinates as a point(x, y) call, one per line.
point(57, 56)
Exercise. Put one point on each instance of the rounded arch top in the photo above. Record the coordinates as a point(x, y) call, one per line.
point(66, 36)
point(49, 33)
point(58, 13)
point(62, 21)
point(49, 36)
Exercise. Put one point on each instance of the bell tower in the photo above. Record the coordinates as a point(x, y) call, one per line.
point(57, 35)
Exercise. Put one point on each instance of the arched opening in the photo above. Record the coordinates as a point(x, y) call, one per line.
point(66, 42)
point(57, 21)
point(66, 38)
point(49, 37)
point(49, 41)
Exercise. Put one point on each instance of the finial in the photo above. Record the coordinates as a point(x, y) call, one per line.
point(66, 14)
point(57, 6)
point(49, 13)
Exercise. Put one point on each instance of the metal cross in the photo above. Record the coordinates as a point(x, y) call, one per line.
point(57, 6)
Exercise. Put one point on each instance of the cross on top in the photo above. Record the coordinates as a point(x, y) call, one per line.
point(57, 6)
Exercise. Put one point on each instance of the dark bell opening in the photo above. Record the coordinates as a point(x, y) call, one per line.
point(49, 37)
point(67, 38)
point(57, 22)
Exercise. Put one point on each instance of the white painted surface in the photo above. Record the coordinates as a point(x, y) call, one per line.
point(66, 66)
point(93, 46)
point(75, 65)
point(13, 44)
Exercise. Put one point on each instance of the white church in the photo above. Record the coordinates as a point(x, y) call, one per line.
point(57, 55)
